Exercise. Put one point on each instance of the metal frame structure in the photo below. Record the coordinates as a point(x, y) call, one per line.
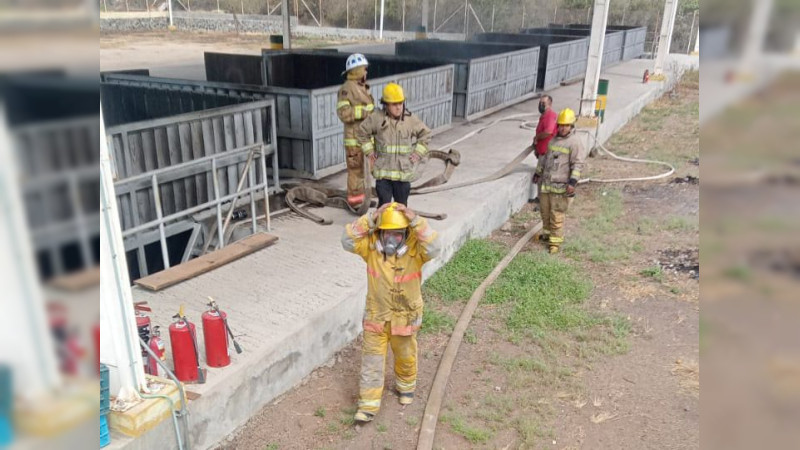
point(235, 147)
point(58, 162)
point(212, 164)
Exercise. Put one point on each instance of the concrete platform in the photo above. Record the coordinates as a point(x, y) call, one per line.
point(298, 302)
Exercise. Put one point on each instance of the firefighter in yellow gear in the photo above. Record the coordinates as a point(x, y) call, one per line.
point(400, 142)
point(355, 103)
point(559, 171)
point(395, 242)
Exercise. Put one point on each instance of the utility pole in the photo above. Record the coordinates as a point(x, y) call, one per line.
point(287, 32)
point(665, 38)
point(595, 61)
point(380, 34)
point(425, 4)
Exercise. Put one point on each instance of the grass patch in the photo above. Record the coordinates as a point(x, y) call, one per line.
point(545, 293)
point(470, 337)
point(347, 418)
point(739, 273)
point(681, 224)
point(599, 239)
point(382, 428)
point(434, 321)
point(468, 268)
point(272, 446)
point(460, 426)
point(655, 272)
point(412, 421)
point(319, 412)
point(530, 429)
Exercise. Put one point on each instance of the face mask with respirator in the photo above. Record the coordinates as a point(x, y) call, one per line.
point(392, 243)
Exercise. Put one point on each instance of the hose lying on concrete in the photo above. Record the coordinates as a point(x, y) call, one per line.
point(436, 396)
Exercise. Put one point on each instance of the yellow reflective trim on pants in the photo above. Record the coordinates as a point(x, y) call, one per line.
point(394, 149)
point(547, 189)
point(560, 149)
point(421, 149)
point(372, 403)
point(575, 174)
point(351, 142)
point(342, 104)
point(394, 175)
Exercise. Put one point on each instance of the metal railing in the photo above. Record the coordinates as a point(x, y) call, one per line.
point(213, 163)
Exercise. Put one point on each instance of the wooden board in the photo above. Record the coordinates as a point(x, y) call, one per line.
point(206, 263)
point(77, 281)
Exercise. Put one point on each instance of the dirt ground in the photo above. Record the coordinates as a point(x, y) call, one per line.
point(627, 378)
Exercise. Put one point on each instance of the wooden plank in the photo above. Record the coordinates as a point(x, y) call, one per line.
point(162, 153)
point(77, 281)
point(230, 143)
point(207, 262)
point(197, 152)
point(208, 149)
point(185, 135)
point(178, 201)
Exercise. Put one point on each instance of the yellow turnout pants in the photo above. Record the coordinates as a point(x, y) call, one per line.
point(554, 212)
point(373, 360)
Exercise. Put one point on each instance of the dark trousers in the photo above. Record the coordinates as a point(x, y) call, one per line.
point(388, 189)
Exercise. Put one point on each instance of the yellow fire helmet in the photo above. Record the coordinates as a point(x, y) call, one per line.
point(393, 93)
point(392, 219)
point(566, 117)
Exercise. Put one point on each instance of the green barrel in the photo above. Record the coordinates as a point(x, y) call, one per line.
point(602, 97)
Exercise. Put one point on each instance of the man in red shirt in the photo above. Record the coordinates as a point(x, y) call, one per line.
point(545, 131)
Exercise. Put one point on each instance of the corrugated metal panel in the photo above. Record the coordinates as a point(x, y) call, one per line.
point(634, 43)
point(501, 80)
point(230, 68)
point(482, 75)
point(146, 146)
point(429, 94)
point(135, 98)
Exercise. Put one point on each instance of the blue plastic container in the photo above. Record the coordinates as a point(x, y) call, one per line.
point(105, 394)
point(105, 436)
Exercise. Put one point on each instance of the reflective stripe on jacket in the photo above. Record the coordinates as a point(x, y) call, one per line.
point(564, 161)
point(393, 282)
point(395, 140)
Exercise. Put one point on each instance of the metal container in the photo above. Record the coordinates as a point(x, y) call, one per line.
point(561, 58)
point(192, 141)
point(612, 47)
point(633, 40)
point(306, 86)
point(487, 76)
point(54, 127)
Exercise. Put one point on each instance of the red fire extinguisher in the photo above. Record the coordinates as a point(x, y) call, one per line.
point(143, 325)
point(215, 336)
point(182, 335)
point(156, 344)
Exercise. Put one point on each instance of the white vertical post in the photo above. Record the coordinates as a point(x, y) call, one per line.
point(665, 38)
point(595, 61)
point(169, 5)
point(119, 338)
point(425, 5)
point(756, 34)
point(27, 343)
point(287, 32)
point(380, 33)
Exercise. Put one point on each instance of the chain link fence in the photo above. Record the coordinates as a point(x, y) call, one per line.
point(446, 16)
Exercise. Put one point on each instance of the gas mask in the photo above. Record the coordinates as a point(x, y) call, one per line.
point(392, 242)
